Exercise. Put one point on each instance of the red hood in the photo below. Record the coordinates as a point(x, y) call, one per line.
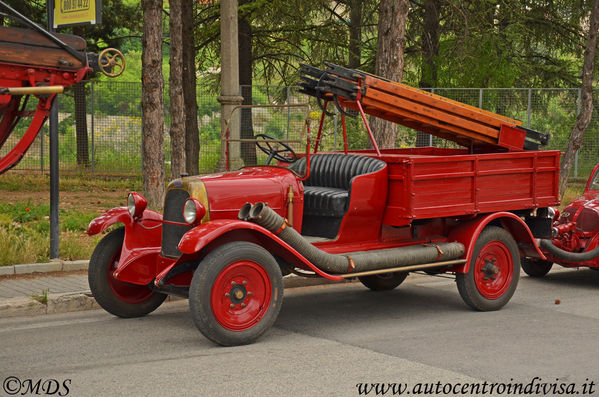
point(228, 191)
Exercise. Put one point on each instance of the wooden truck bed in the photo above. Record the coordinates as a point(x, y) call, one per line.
point(429, 182)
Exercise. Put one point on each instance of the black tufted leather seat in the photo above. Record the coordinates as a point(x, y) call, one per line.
point(327, 189)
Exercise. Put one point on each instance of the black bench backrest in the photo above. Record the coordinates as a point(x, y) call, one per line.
point(335, 169)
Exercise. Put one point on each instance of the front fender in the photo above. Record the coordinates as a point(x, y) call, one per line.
point(467, 233)
point(120, 215)
point(236, 230)
point(141, 245)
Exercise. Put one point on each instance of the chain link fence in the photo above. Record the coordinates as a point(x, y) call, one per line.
point(108, 140)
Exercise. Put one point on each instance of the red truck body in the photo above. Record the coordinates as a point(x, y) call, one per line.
point(225, 240)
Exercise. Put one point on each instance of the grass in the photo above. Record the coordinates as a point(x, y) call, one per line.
point(42, 298)
point(25, 210)
point(572, 192)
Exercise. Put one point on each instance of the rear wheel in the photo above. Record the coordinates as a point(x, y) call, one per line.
point(535, 268)
point(494, 271)
point(115, 296)
point(236, 293)
point(384, 281)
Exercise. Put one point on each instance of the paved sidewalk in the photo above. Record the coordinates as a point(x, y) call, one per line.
point(27, 290)
point(35, 285)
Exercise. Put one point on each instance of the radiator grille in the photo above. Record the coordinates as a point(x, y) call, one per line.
point(588, 220)
point(173, 211)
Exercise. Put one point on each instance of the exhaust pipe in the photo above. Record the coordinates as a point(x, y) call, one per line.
point(355, 262)
point(567, 255)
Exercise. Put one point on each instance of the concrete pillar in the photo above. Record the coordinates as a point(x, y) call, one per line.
point(229, 97)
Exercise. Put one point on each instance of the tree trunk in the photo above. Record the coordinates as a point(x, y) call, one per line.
point(430, 51)
point(177, 110)
point(192, 133)
point(586, 110)
point(248, 150)
point(390, 59)
point(81, 125)
point(152, 104)
point(355, 34)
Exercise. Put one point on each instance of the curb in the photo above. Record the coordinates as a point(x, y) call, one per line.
point(79, 301)
point(54, 266)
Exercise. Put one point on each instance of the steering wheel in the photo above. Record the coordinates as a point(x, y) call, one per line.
point(111, 62)
point(273, 151)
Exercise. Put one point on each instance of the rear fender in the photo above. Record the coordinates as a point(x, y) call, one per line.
point(467, 233)
point(210, 235)
point(141, 246)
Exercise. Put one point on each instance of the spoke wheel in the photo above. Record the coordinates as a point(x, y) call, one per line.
point(115, 296)
point(494, 271)
point(236, 293)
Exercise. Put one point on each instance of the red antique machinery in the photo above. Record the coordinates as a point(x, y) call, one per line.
point(575, 234)
point(38, 65)
point(225, 240)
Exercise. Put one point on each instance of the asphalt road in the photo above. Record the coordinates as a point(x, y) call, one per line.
point(326, 341)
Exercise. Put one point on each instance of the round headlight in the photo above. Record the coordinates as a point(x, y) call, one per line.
point(136, 204)
point(550, 212)
point(193, 211)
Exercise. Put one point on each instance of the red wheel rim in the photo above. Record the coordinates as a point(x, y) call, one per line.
point(126, 292)
point(241, 295)
point(493, 270)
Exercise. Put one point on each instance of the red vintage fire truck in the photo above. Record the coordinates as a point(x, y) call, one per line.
point(575, 234)
point(225, 240)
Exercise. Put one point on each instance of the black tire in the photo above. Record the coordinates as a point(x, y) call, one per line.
point(384, 281)
point(233, 275)
point(495, 251)
point(535, 267)
point(115, 296)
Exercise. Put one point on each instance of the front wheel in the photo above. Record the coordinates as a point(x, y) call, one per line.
point(535, 267)
point(115, 296)
point(384, 281)
point(236, 293)
point(494, 271)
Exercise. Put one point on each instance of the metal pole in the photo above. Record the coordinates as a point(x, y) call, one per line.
point(54, 175)
point(42, 151)
point(528, 110)
point(480, 98)
point(288, 110)
point(93, 111)
point(335, 127)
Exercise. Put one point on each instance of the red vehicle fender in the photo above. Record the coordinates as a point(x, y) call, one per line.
point(141, 246)
point(119, 215)
point(467, 233)
point(221, 231)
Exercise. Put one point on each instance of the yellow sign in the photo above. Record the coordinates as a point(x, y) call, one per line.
point(70, 12)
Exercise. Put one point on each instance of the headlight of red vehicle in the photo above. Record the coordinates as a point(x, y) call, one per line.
point(136, 204)
point(193, 211)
